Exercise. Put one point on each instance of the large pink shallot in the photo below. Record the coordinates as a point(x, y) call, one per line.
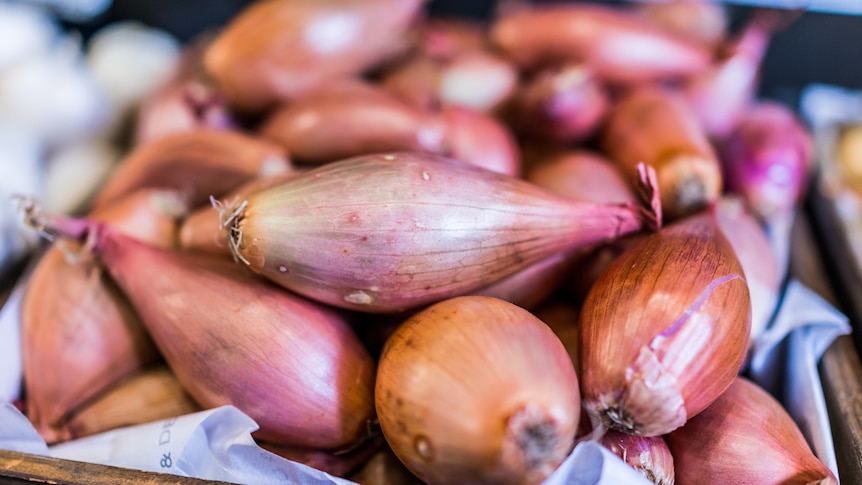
point(393, 231)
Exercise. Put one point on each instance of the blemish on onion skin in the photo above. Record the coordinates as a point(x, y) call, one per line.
point(423, 448)
point(389, 158)
point(282, 269)
point(359, 297)
point(426, 175)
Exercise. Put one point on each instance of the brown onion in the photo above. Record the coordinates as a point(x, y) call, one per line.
point(292, 365)
point(152, 394)
point(79, 335)
point(389, 232)
point(351, 118)
point(664, 329)
point(477, 390)
point(600, 36)
point(656, 127)
point(281, 49)
point(198, 163)
point(745, 436)
point(649, 455)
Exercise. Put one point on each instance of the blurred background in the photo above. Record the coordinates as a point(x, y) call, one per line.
point(823, 45)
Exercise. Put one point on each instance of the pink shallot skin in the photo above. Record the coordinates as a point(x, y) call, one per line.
point(768, 159)
point(350, 118)
point(618, 45)
point(280, 50)
point(393, 231)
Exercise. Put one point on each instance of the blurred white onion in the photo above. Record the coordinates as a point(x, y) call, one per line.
point(74, 173)
point(130, 61)
point(53, 96)
point(20, 174)
point(25, 31)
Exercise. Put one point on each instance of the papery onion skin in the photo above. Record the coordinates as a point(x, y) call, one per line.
point(603, 37)
point(745, 436)
point(477, 390)
point(279, 50)
point(649, 455)
point(664, 329)
point(389, 232)
point(655, 126)
point(198, 163)
point(292, 365)
point(201, 231)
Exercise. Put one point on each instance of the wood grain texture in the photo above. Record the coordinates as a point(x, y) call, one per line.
point(25, 468)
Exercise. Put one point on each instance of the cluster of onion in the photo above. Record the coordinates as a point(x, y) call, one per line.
point(355, 187)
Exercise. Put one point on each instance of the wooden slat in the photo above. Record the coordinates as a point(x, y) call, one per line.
point(840, 367)
point(23, 468)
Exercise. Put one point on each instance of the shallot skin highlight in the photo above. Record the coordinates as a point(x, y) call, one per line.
point(389, 232)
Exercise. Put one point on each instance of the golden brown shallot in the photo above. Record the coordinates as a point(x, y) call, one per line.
point(655, 126)
point(664, 329)
point(477, 390)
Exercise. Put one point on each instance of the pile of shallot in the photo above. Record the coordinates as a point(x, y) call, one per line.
point(427, 250)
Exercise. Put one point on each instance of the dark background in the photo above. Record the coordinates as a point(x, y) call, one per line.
point(815, 48)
